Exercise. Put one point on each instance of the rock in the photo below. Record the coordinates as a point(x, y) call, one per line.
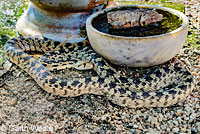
point(193, 116)
point(6, 67)
point(179, 113)
point(175, 123)
point(168, 129)
point(183, 128)
point(128, 18)
point(109, 132)
point(175, 130)
point(198, 126)
point(196, 51)
point(132, 131)
point(135, 126)
point(62, 102)
point(152, 131)
point(194, 130)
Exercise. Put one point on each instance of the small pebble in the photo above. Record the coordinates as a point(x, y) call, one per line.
point(62, 102)
point(135, 126)
point(175, 123)
point(132, 131)
point(179, 113)
point(175, 130)
point(194, 130)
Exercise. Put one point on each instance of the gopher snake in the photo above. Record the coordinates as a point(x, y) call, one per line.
point(119, 89)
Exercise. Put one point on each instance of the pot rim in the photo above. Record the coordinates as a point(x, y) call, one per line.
point(185, 22)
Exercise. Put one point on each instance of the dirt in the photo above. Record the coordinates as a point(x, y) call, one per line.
point(26, 108)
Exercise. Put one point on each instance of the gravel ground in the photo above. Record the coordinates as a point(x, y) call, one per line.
point(25, 107)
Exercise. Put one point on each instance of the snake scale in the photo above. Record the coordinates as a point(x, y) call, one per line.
point(151, 90)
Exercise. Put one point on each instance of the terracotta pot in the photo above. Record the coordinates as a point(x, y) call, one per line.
point(59, 20)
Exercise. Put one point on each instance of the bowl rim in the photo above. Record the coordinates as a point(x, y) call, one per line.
point(185, 21)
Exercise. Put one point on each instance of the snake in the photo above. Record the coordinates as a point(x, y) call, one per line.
point(163, 87)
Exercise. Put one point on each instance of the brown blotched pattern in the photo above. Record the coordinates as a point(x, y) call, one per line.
point(148, 91)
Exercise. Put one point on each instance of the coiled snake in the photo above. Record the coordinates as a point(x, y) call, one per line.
point(147, 91)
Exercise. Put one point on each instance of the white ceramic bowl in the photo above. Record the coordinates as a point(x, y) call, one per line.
point(138, 51)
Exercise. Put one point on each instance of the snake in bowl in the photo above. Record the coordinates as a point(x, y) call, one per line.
point(151, 90)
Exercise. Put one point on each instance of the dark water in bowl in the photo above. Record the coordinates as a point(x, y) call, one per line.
point(169, 23)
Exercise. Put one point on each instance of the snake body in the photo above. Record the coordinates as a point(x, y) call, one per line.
point(148, 91)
